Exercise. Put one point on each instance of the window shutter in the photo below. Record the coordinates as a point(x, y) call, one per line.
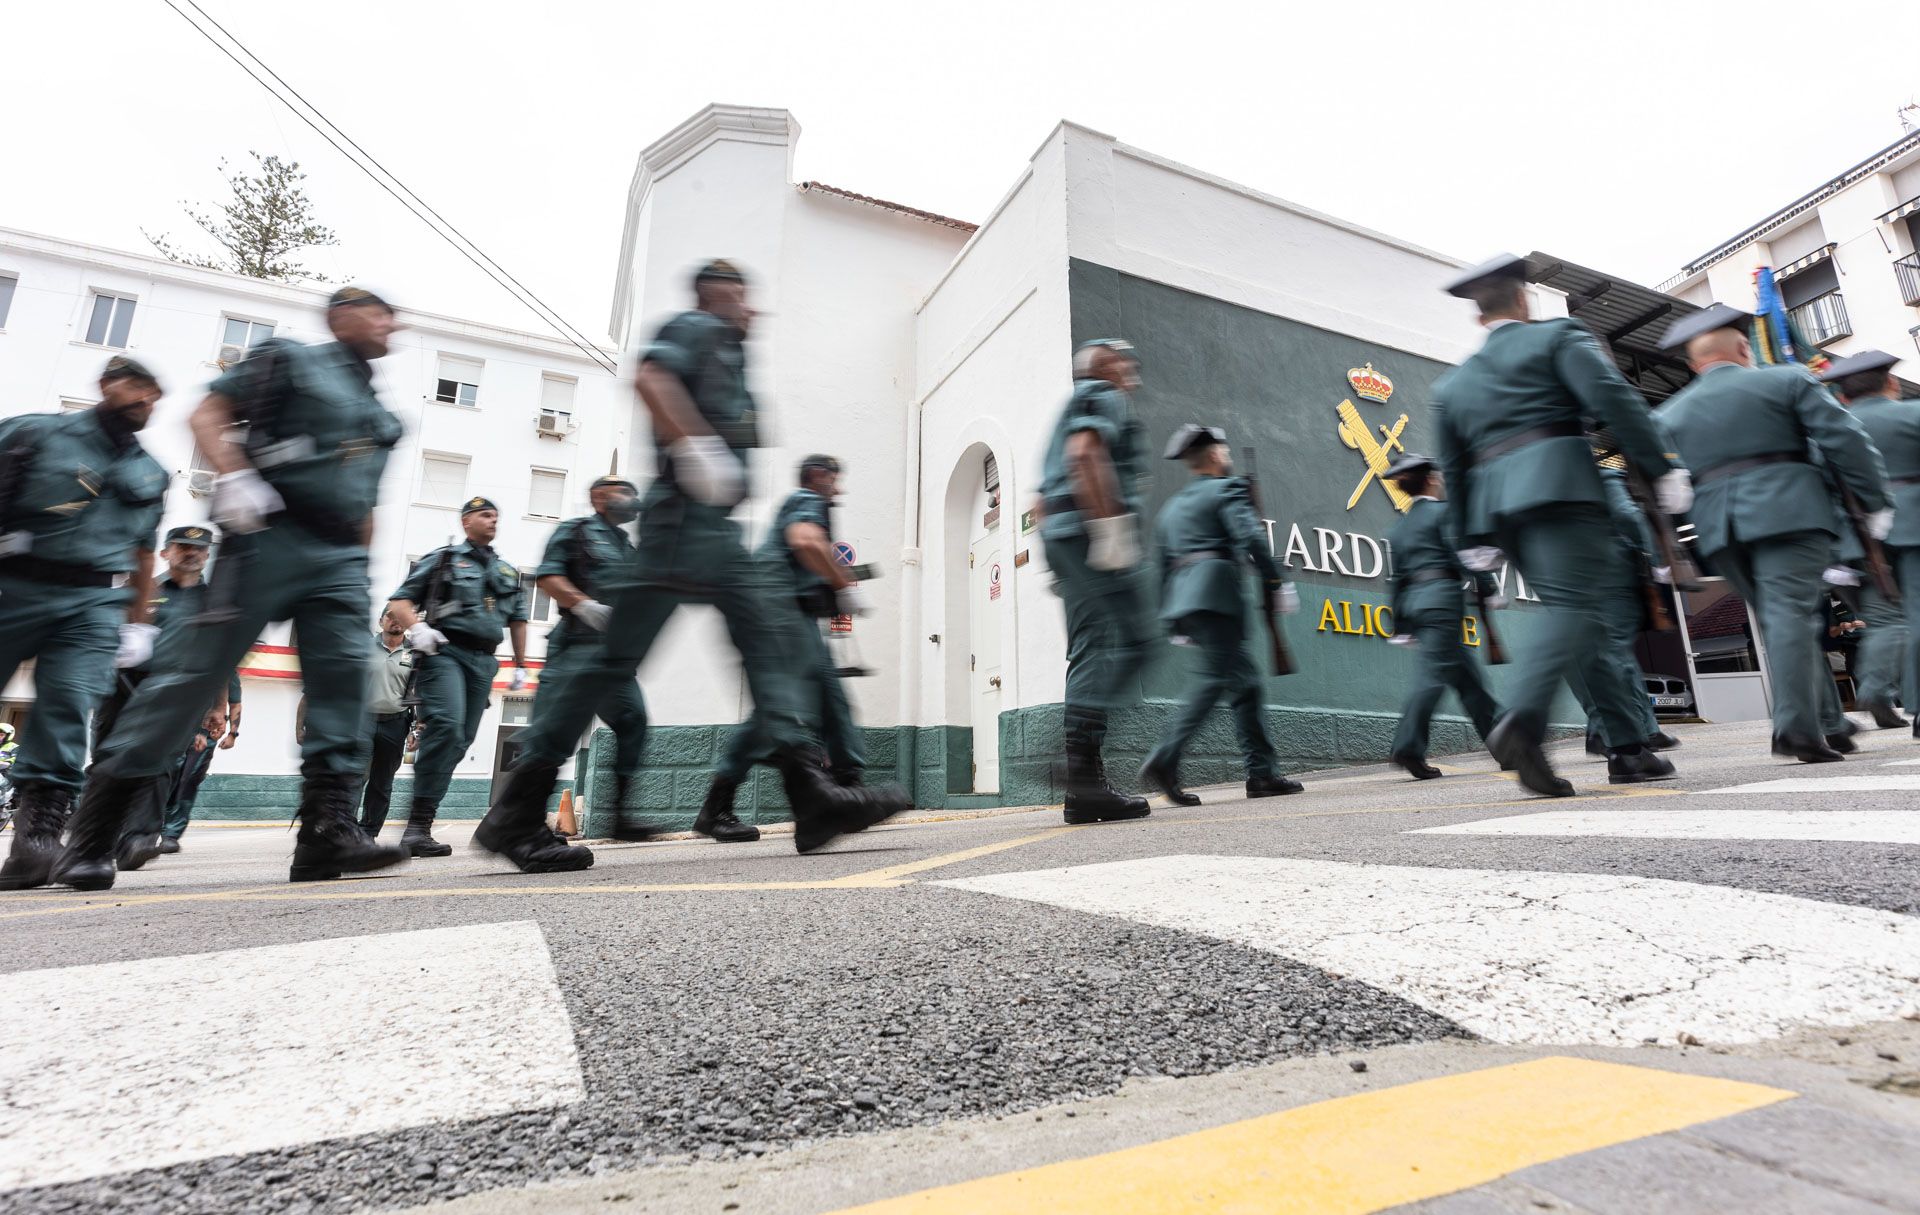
point(547, 494)
point(556, 393)
point(443, 480)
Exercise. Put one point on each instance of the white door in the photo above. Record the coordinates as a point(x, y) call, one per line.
point(990, 580)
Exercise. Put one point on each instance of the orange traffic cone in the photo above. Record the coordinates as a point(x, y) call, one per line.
point(564, 819)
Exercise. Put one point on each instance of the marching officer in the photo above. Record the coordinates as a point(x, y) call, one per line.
point(1764, 517)
point(389, 680)
point(1512, 424)
point(584, 556)
point(799, 546)
point(1208, 532)
point(453, 607)
point(80, 504)
point(294, 502)
point(1889, 659)
point(1427, 604)
point(1090, 525)
point(178, 597)
point(692, 379)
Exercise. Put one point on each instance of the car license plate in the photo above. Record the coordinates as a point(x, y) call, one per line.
point(1669, 702)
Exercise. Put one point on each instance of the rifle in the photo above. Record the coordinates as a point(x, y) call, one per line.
point(1496, 653)
point(1679, 562)
point(1876, 553)
point(1282, 658)
point(436, 583)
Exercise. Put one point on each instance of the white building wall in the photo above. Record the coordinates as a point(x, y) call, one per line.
point(177, 327)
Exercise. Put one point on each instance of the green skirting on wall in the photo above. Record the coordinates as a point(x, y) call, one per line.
point(242, 798)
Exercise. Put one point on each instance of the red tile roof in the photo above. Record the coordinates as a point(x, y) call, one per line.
point(945, 221)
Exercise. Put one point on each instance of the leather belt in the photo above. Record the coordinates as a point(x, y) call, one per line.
point(1527, 438)
point(59, 573)
point(474, 647)
point(1433, 574)
point(390, 716)
point(1719, 472)
point(1195, 558)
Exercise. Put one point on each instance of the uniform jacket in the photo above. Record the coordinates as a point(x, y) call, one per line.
point(79, 498)
point(479, 593)
point(1529, 375)
point(173, 606)
point(1731, 413)
point(1098, 406)
point(706, 355)
point(801, 506)
point(1209, 532)
point(589, 552)
point(1421, 541)
point(1894, 427)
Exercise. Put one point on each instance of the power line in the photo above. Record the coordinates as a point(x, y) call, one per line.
point(412, 202)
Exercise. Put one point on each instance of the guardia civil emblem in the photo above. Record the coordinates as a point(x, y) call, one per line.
point(1375, 449)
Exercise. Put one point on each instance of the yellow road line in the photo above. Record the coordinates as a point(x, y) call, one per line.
point(893, 874)
point(1363, 1153)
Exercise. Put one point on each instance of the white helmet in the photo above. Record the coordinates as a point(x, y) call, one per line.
point(6, 729)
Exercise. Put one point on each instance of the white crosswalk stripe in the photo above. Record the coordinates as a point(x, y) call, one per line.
point(1863, 826)
point(1891, 783)
point(1525, 957)
point(134, 1065)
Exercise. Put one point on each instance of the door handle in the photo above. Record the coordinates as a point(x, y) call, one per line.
point(994, 682)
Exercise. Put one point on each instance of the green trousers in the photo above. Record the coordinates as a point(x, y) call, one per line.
point(1226, 670)
point(1880, 667)
point(71, 634)
point(1624, 611)
point(282, 573)
point(1444, 663)
point(455, 686)
point(573, 648)
point(1108, 631)
point(1780, 578)
point(1906, 565)
point(1571, 560)
point(838, 734)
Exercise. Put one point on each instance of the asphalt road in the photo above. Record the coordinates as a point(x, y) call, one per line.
point(689, 1025)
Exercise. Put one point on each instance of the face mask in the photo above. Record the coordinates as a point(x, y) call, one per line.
point(623, 509)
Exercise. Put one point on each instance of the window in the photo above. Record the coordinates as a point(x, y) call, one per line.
point(109, 320)
point(7, 282)
point(239, 335)
point(548, 493)
point(459, 381)
point(556, 404)
point(542, 610)
point(443, 479)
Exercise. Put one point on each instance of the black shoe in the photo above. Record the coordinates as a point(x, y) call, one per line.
point(1417, 765)
point(1595, 746)
point(39, 816)
point(823, 811)
point(1166, 778)
point(133, 851)
point(1639, 766)
point(849, 778)
point(516, 826)
point(169, 845)
point(1519, 753)
point(1272, 786)
point(330, 843)
point(717, 820)
point(1660, 740)
point(1843, 743)
point(94, 835)
point(418, 839)
point(1807, 751)
point(1887, 717)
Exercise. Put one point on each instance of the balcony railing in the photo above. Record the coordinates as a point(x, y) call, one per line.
point(1823, 319)
point(1907, 270)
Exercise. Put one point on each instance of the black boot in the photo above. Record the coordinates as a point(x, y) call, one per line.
point(1517, 749)
point(1089, 798)
point(823, 810)
point(418, 838)
point(330, 842)
point(516, 826)
point(1270, 785)
point(1843, 742)
point(847, 777)
point(1660, 740)
point(1626, 767)
point(627, 827)
point(716, 818)
point(39, 816)
point(1166, 778)
point(1596, 746)
point(1886, 717)
point(1417, 765)
point(1806, 750)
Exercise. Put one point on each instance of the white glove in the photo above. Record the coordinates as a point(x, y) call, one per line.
point(1402, 639)
point(592, 613)
point(136, 645)
point(1180, 639)
point(243, 500)
point(1480, 559)
point(1880, 523)
point(1285, 599)
point(1113, 544)
point(852, 601)
point(424, 638)
point(1673, 492)
point(1663, 574)
point(1840, 575)
point(1496, 602)
point(705, 467)
point(518, 679)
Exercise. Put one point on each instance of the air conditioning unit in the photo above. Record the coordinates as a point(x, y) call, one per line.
point(559, 425)
point(230, 353)
point(200, 482)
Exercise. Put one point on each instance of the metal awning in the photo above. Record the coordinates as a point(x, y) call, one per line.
point(1823, 253)
point(1629, 319)
point(1903, 210)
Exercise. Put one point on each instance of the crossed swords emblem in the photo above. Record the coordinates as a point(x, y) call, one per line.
point(1355, 433)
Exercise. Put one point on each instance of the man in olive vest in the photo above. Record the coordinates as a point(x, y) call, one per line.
point(1890, 661)
point(1764, 517)
point(455, 605)
point(1428, 602)
point(80, 504)
point(1209, 534)
point(1512, 423)
point(294, 501)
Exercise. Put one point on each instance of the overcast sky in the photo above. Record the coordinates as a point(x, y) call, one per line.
point(1629, 137)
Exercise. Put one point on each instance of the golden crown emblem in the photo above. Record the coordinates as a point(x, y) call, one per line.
point(1369, 383)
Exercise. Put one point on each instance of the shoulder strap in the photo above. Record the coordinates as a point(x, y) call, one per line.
point(17, 454)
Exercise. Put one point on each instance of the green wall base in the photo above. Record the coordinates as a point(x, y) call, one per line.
point(241, 798)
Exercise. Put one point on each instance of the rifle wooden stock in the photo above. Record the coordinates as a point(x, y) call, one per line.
point(1496, 653)
point(1876, 553)
point(1282, 657)
point(1679, 562)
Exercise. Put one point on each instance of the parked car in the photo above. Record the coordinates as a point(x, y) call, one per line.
point(1671, 697)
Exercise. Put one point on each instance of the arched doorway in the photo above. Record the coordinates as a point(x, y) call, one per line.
point(979, 586)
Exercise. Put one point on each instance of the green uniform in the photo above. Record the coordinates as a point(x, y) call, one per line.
point(1108, 624)
point(475, 595)
point(1428, 602)
point(689, 552)
point(590, 553)
point(319, 436)
point(80, 507)
point(1521, 478)
point(1208, 533)
point(811, 601)
point(1763, 515)
point(1625, 610)
point(1888, 664)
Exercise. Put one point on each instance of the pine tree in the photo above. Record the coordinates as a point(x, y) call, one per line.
point(268, 220)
